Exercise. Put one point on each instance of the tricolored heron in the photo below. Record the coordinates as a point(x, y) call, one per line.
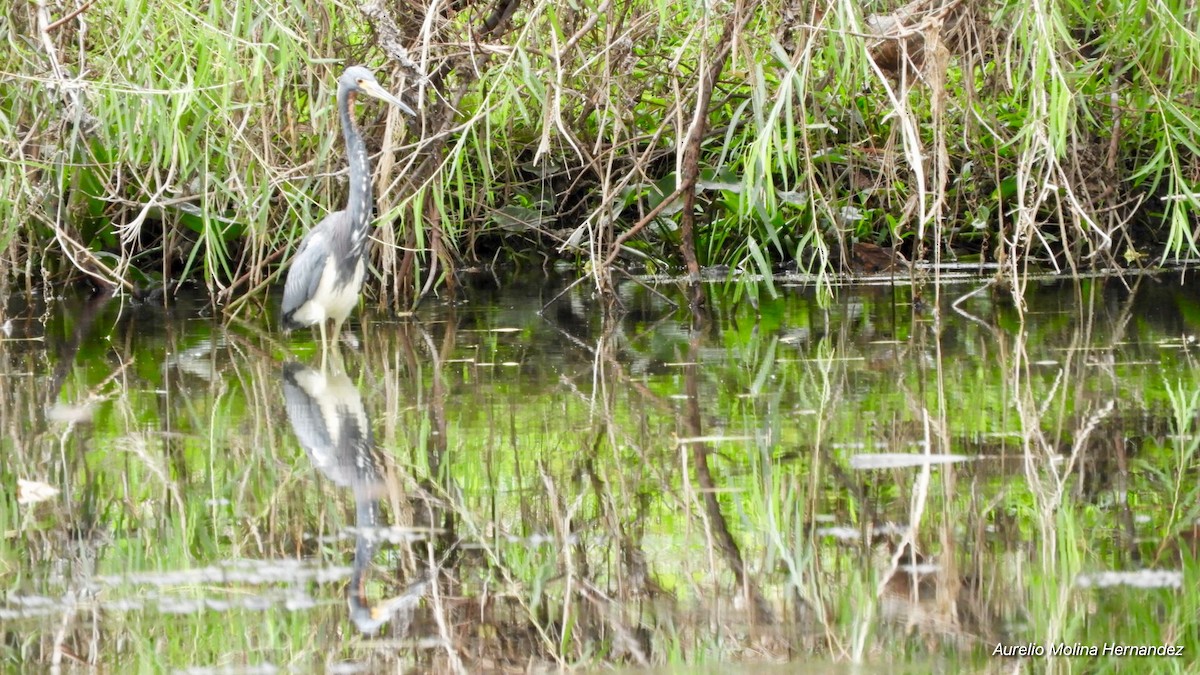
point(327, 414)
point(327, 270)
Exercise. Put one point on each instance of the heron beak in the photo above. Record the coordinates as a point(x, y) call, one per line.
point(374, 89)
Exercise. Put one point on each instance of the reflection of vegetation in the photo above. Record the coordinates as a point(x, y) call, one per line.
point(642, 490)
point(151, 142)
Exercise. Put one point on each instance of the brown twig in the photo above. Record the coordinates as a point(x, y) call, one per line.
point(691, 153)
point(83, 8)
point(628, 234)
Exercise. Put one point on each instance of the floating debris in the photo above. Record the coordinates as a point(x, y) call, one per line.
point(899, 460)
point(1147, 579)
point(293, 600)
point(712, 439)
point(32, 491)
point(199, 360)
point(394, 534)
point(238, 571)
point(919, 569)
point(841, 533)
point(259, 669)
point(71, 414)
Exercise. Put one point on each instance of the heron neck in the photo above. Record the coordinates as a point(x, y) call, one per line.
point(358, 206)
point(365, 545)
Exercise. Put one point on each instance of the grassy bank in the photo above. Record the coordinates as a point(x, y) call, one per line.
point(148, 144)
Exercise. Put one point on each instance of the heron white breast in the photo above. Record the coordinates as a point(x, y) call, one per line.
point(331, 300)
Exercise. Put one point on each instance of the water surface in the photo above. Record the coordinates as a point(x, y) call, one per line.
point(484, 486)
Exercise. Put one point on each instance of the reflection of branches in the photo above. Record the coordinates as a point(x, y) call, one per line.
point(608, 374)
point(435, 502)
point(1046, 471)
point(80, 330)
point(1039, 450)
point(718, 527)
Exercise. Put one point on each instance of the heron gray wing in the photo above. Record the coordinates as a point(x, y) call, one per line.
point(304, 272)
point(304, 412)
point(327, 414)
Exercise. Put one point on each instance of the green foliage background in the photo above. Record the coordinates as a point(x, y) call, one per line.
point(150, 142)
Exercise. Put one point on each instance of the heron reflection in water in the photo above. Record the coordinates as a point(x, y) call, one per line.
point(326, 273)
point(327, 414)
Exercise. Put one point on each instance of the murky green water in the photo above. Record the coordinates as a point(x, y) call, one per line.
point(481, 487)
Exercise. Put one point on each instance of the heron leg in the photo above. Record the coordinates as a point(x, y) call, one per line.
point(324, 346)
point(337, 330)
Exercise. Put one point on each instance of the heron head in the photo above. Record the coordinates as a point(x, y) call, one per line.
point(358, 79)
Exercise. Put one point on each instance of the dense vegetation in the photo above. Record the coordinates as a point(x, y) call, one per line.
point(148, 144)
